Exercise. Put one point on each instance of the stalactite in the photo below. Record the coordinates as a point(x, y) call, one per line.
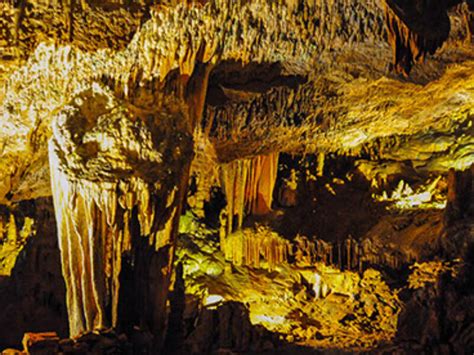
point(249, 247)
point(415, 30)
point(320, 165)
point(248, 185)
point(69, 18)
point(19, 14)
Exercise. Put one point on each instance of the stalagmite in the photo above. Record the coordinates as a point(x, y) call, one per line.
point(305, 250)
point(118, 178)
point(287, 195)
point(317, 286)
point(12, 232)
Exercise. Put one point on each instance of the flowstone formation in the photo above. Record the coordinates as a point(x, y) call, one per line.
point(118, 175)
point(248, 186)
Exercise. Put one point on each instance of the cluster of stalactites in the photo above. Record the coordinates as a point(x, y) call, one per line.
point(348, 254)
point(248, 186)
point(246, 31)
point(96, 224)
point(68, 8)
point(279, 108)
point(250, 248)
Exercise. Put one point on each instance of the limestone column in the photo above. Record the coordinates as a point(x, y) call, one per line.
point(119, 173)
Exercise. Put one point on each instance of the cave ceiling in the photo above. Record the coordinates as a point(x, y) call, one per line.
point(385, 80)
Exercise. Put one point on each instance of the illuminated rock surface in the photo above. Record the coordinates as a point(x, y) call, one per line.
point(285, 300)
point(318, 153)
point(342, 69)
point(115, 181)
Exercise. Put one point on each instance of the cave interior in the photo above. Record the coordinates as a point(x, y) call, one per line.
point(236, 177)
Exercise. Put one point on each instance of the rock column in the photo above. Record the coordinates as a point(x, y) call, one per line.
point(119, 173)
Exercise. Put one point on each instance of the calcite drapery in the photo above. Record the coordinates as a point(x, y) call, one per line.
point(118, 178)
point(248, 185)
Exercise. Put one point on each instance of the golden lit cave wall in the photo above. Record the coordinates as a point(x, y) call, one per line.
point(153, 53)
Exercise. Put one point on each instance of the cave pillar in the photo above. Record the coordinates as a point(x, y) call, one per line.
point(119, 174)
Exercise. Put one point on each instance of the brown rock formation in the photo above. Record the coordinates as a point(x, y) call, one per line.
point(41, 343)
point(416, 29)
point(460, 191)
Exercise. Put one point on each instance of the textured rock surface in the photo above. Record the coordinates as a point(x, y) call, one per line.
point(339, 50)
point(357, 310)
point(117, 172)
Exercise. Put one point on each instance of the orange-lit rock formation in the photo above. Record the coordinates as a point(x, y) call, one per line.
point(416, 29)
point(248, 185)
